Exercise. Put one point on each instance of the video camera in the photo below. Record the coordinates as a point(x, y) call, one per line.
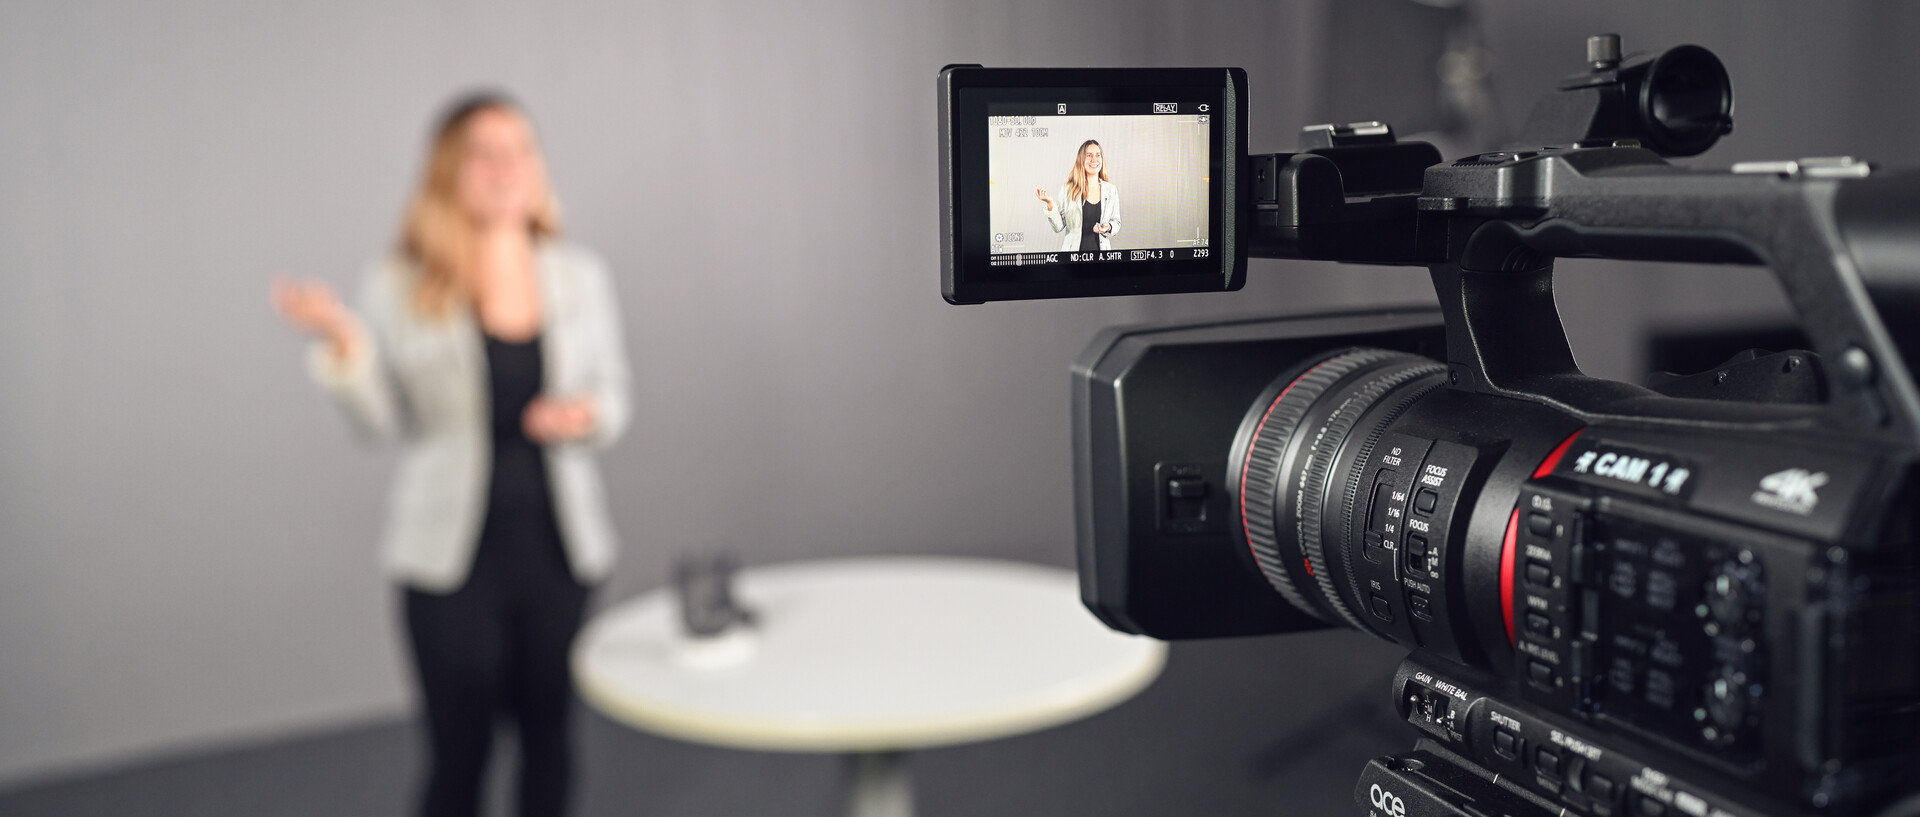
point(1695, 599)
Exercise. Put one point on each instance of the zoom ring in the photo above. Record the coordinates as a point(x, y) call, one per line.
point(1261, 475)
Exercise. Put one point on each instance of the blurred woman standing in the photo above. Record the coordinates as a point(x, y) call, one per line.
point(491, 350)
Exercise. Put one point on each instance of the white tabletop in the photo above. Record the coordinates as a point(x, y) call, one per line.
point(871, 654)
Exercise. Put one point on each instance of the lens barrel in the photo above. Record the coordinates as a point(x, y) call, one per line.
point(1295, 476)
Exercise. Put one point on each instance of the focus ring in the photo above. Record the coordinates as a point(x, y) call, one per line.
point(1261, 469)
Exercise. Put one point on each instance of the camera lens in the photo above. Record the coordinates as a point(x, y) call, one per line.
point(1294, 474)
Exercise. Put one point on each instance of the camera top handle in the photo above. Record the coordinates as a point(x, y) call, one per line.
point(1840, 237)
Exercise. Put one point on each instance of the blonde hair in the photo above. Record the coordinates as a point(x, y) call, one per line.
point(1077, 183)
point(436, 235)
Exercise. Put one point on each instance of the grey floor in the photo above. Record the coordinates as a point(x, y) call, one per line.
point(1273, 726)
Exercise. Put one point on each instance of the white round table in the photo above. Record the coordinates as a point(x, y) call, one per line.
point(870, 657)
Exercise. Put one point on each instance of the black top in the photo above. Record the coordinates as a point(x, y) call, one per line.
point(519, 504)
point(1089, 216)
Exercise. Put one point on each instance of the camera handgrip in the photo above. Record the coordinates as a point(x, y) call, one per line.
point(1838, 246)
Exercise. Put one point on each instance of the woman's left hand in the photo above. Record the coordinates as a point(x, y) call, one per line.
point(1101, 229)
point(557, 420)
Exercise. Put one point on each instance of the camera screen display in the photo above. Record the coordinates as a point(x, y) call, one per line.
point(1110, 185)
point(1060, 183)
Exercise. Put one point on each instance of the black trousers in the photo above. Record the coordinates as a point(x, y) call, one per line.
point(497, 647)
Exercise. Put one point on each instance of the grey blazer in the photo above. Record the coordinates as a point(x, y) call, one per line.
point(1066, 218)
point(424, 384)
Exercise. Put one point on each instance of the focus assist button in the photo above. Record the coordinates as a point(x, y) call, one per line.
point(1425, 501)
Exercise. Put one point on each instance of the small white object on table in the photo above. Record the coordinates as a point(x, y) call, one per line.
point(869, 657)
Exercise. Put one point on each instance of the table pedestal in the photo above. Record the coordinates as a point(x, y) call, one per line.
point(879, 784)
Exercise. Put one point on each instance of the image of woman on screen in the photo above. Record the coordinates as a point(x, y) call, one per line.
point(489, 348)
point(1088, 213)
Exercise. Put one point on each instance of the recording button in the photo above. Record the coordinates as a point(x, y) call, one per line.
point(1546, 762)
point(1539, 524)
point(1425, 501)
point(1539, 673)
point(1539, 575)
point(1506, 744)
point(1382, 608)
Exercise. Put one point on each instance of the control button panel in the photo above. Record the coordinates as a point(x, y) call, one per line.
point(1402, 510)
point(1549, 754)
point(1547, 596)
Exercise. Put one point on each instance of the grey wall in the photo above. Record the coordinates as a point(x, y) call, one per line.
point(186, 530)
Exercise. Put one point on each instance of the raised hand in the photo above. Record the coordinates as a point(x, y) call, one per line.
point(1042, 192)
point(312, 307)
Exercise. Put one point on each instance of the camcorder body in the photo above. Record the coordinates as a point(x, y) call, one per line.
point(1697, 598)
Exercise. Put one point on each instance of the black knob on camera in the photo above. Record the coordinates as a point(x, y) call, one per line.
point(1727, 702)
point(1675, 103)
point(1733, 596)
